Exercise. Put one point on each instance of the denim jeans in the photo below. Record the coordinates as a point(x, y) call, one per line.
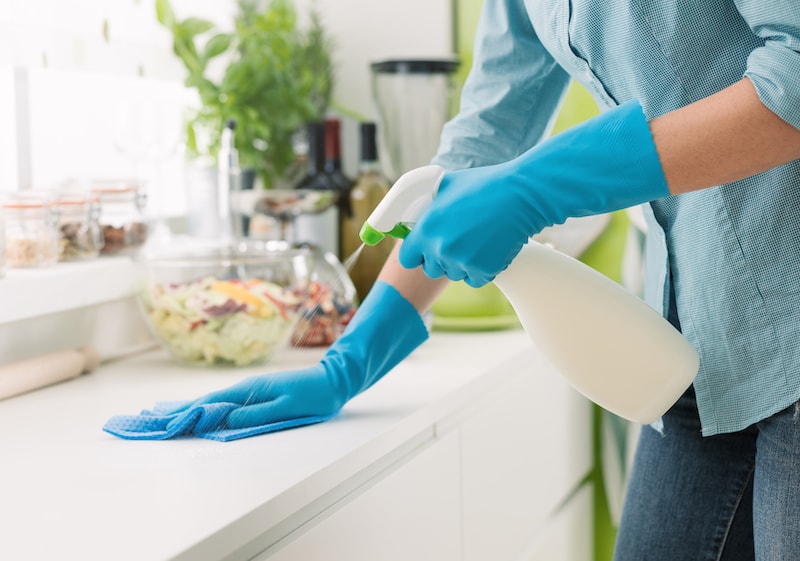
point(729, 497)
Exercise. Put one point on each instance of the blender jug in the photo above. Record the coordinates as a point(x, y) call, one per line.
point(414, 98)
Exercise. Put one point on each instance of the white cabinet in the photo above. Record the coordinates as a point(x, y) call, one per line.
point(411, 513)
point(490, 487)
point(523, 453)
point(567, 536)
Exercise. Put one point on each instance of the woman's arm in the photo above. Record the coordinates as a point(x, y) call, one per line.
point(722, 138)
point(413, 284)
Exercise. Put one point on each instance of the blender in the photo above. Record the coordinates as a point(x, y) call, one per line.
point(414, 98)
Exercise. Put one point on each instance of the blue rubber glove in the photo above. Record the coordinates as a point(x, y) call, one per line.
point(481, 217)
point(385, 329)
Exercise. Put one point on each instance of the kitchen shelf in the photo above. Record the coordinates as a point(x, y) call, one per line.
point(28, 293)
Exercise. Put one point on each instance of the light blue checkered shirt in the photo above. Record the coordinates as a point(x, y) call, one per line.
point(732, 251)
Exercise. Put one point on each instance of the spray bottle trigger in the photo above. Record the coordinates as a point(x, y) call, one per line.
point(371, 236)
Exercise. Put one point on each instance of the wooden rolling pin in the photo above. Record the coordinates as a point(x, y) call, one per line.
point(33, 373)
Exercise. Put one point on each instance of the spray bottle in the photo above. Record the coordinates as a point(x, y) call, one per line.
point(611, 346)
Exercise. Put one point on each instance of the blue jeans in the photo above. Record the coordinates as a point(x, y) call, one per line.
point(729, 497)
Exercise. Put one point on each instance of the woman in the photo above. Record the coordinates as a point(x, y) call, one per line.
point(702, 122)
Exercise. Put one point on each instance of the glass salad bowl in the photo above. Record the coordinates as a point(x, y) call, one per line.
point(332, 301)
point(226, 305)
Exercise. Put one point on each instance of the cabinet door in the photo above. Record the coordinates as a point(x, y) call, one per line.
point(567, 536)
point(411, 513)
point(523, 452)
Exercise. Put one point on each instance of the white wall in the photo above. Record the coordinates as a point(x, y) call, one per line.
point(69, 69)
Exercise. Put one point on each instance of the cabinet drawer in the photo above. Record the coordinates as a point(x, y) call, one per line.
point(411, 513)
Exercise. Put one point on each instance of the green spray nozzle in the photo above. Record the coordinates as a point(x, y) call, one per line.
point(371, 236)
point(402, 206)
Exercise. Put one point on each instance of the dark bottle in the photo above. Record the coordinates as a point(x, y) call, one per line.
point(369, 187)
point(316, 177)
point(333, 154)
point(320, 229)
point(333, 167)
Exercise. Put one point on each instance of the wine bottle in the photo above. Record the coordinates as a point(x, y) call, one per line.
point(321, 229)
point(333, 167)
point(369, 187)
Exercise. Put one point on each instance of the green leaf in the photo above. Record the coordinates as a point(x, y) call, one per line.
point(191, 139)
point(195, 26)
point(188, 55)
point(217, 45)
point(164, 13)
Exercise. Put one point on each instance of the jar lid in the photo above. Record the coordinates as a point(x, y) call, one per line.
point(113, 186)
point(76, 199)
point(22, 200)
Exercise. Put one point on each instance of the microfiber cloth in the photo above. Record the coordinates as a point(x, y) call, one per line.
point(202, 421)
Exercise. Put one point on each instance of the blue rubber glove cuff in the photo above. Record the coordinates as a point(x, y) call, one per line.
point(605, 164)
point(385, 330)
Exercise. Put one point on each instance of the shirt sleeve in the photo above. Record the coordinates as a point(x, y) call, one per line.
point(510, 96)
point(774, 68)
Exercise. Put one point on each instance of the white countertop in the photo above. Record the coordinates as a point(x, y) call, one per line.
point(70, 491)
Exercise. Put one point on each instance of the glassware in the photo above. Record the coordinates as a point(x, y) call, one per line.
point(368, 190)
point(331, 302)
point(321, 229)
point(79, 226)
point(146, 132)
point(31, 231)
point(122, 216)
point(2, 242)
point(225, 305)
point(415, 98)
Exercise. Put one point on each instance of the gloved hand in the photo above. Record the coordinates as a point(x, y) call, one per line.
point(481, 217)
point(385, 329)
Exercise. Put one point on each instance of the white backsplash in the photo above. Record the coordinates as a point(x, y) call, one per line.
point(81, 59)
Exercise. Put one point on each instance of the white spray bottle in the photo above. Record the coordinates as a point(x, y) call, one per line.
point(603, 339)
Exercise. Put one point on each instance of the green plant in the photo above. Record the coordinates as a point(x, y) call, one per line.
point(276, 78)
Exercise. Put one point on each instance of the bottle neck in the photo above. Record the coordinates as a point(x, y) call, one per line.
point(368, 155)
point(366, 167)
point(315, 162)
point(333, 145)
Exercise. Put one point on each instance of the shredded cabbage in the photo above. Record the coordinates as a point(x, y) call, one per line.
point(215, 322)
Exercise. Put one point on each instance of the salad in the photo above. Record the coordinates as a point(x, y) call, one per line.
point(326, 313)
point(217, 322)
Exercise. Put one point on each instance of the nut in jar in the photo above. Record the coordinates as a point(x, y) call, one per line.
point(81, 236)
point(31, 231)
point(122, 216)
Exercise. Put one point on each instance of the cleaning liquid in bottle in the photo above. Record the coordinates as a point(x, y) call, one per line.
point(604, 340)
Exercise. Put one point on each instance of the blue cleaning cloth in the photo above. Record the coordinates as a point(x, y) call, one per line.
point(202, 421)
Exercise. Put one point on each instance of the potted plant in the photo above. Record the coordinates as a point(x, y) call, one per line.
point(275, 77)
